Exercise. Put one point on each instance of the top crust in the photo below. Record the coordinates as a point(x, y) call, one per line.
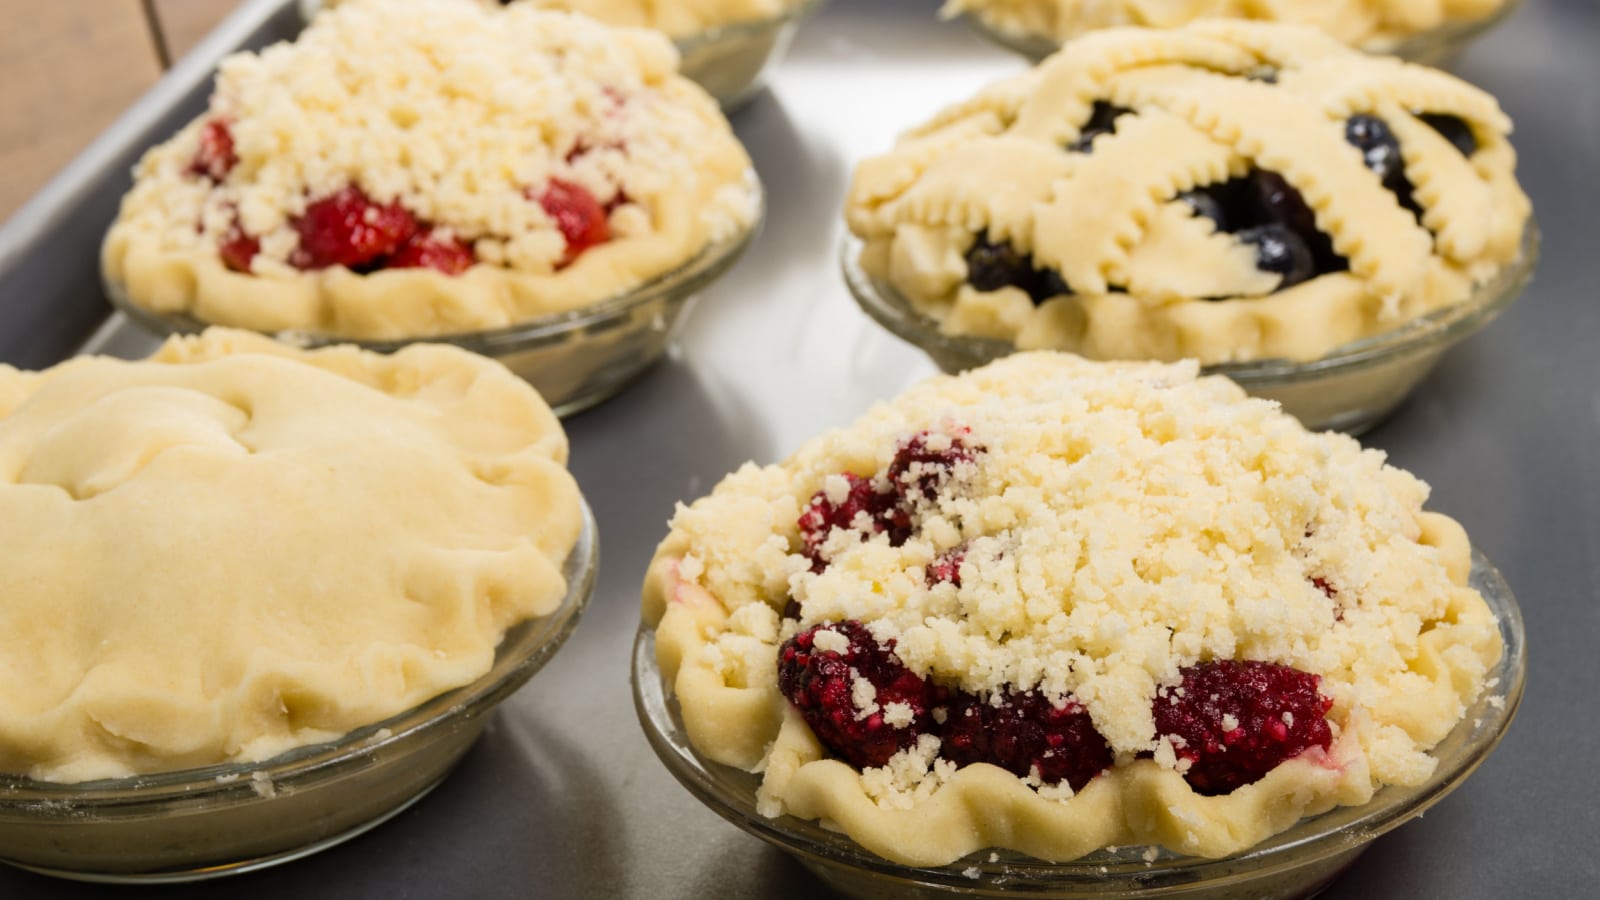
point(1149, 279)
point(1372, 24)
point(202, 566)
point(1123, 521)
point(461, 115)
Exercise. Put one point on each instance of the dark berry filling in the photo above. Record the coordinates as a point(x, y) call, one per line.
point(1454, 129)
point(1280, 251)
point(1025, 733)
point(992, 266)
point(580, 217)
point(348, 229)
point(1021, 732)
point(1236, 721)
point(1102, 120)
point(1208, 204)
point(216, 157)
point(915, 475)
point(823, 515)
point(822, 685)
point(1381, 153)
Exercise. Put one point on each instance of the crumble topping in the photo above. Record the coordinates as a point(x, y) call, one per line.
point(1122, 528)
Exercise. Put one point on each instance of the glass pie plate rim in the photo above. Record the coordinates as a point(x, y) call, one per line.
point(1440, 328)
point(747, 27)
point(230, 787)
point(1432, 47)
point(1123, 872)
point(688, 278)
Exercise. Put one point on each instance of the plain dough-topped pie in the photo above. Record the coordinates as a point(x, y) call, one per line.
point(1370, 24)
point(1052, 605)
point(412, 169)
point(1227, 191)
point(235, 547)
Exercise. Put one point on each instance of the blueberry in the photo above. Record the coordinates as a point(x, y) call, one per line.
point(1276, 201)
point(1379, 149)
point(1280, 250)
point(1049, 283)
point(1454, 129)
point(1202, 202)
point(991, 266)
point(1102, 120)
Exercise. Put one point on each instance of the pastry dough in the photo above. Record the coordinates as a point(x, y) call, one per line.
point(1123, 521)
point(1370, 24)
point(460, 116)
point(235, 547)
point(1215, 107)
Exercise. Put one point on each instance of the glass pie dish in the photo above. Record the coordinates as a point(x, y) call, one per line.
point(1437, 47)
point(1297, 862)
point(1350, 389)
point(220, 820)
point(731, 62)
point(575, 359)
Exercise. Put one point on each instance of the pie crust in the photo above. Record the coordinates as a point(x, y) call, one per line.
point(1364, 23)
point(678, 19)
point(236, 547)
point(1211, 104)
point(1124, 520)
point(461, 116)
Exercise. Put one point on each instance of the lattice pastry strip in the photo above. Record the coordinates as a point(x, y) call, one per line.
point(1096, 215)
point(1181, 255)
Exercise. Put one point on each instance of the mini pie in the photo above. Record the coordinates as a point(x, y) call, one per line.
point(235, 547)
point(1227, 191)
point(1372, 24)
point(677, 18)
point(410, 169)
point(1055, 605)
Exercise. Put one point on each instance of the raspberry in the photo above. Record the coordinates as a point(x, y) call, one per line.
point(215, 158)
point(926, 470)
point(822, 686)
point(578, 214)
point(426, 250)
point(822, 516)
point(1025, 733)
point(947, 567)
point(1276, 714)
point(348, 229)
point(238, 249)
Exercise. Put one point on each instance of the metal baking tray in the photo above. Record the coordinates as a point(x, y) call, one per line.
point(563, 798)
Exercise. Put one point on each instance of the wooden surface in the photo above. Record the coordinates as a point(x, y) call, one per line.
point(70, 67)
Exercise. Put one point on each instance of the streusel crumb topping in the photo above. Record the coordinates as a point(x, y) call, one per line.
point(1117, 524)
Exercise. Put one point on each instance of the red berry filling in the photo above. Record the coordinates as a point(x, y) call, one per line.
point(238, 249)
point(822, 684)
point(348, 229)
point(822, 515)
point(915, 474)
point(1024, 733)
point(215, 158)
point(947, 567)
point(579, 216)
point(427, 250)
point(1236, 721)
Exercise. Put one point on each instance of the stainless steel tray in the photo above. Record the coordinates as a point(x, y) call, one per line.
point(563, 797)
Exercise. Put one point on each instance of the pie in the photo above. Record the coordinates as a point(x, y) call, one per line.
point(235, 547)
point(1227, 191)
point(1370, 24)
point(1054, 605)
point(426, 168)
